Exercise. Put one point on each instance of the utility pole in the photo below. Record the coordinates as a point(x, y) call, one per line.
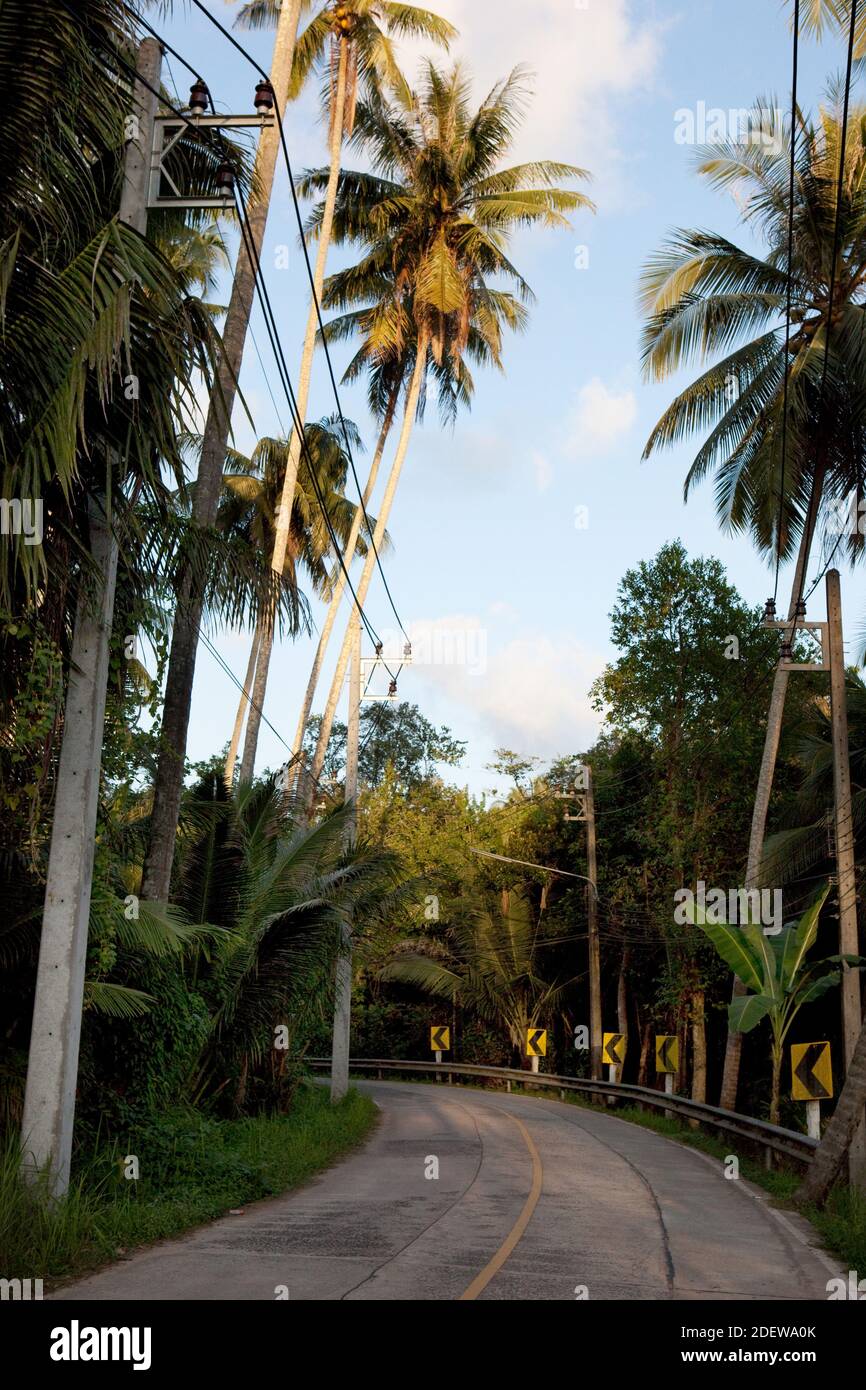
point(595, 1026)
point(168, 784)
point(845, 870)
point(52, 1069)
point(343, 991)
point(584, 795)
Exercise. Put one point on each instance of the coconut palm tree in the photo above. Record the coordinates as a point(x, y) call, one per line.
point(87, 436)
point(168, 781)
point(777, 468)
point(434, 218)
point(352, 42)
point(816, 15)
point(253, 487)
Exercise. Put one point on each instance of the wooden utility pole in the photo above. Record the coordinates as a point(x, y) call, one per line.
point(595, 1025)
point(845, 869)
point(52, 1069)
point(584, 796)
point(343, 990)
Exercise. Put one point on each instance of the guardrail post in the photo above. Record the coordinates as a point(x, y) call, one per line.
point(508, 1084)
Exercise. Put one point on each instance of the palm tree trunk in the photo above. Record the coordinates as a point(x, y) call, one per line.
point(284, 511)
point(168, 783)
point(845, 1121)
point(257, 697)
point(367, 573)
point(699, 1047)
point(760, 811)
point(339, 587)
point(231, 757)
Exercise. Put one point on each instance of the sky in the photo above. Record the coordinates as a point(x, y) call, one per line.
point(511, 531)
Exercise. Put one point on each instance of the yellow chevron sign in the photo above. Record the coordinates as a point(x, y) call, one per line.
point(667, 1052)
point(811, 1071)
point(440, 1038)
point(536, 1042)
point(613, 1049)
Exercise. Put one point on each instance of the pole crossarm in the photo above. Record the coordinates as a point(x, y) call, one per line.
point(167, 131)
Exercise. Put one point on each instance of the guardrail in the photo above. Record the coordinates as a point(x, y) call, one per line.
point(773, 1139)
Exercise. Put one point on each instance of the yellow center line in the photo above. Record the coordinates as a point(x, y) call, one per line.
point(480, 1282)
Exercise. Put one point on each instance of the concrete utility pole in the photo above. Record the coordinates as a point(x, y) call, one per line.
point(847, 886)
point(343, 991)
point(52, 1070)
point(168, 785)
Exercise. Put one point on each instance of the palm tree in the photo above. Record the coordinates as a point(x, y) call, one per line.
point(168, 781)
point(102, 308)
point(776, 468)
point(434, 217)
point(284, 892)
point(352, 42)
point(253, 490)
point(818, 13)
point(492, 964)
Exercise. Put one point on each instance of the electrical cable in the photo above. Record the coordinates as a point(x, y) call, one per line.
point(315, 299)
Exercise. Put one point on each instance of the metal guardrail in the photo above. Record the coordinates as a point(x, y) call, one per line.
point(772, 1138)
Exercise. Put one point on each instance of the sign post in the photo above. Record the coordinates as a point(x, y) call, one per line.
point(667, 1063)
point(812, 1080)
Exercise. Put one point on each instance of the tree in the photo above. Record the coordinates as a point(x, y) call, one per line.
point(168, 781)
point(844, 1123)
point(434, 219)
point(775, 970)
point(253, 492)
point(395, 739)
point(352, 42)
point(493, 964)
point(777, 464)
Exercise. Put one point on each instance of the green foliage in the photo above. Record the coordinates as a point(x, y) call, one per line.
point(193, 1169)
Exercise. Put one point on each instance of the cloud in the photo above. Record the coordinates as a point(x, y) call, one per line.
point(600, 417)
point(587, 64)
point(530, 693)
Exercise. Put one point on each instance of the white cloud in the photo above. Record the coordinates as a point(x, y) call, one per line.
point(531, 694)
point(599, 418)
point(586, 64)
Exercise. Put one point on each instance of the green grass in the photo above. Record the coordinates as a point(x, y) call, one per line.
point(192, 1169)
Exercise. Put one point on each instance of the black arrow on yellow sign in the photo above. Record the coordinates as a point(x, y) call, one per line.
point(536, 1042)
point(804, 1071)
point(440, 1039)
point(614, 1049)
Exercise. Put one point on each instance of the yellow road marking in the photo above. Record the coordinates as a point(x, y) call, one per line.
point(480, 1282)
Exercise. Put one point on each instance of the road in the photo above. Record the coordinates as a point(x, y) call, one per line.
point(534, 1199)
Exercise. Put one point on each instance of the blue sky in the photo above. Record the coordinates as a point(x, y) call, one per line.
point(486, 549)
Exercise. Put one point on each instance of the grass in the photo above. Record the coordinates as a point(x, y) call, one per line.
point(192, 1169)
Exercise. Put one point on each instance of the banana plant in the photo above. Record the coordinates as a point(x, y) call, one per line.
point(776, 974)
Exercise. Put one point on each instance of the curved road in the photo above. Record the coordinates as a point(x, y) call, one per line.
point(534, 1199)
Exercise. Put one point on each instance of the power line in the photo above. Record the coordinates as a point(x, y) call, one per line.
point(132, 71)
point(285, 381)
point(832, 284)
point(315, 299)
point(788, 292)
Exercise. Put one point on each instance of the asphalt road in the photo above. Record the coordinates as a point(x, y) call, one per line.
point(534, 1199)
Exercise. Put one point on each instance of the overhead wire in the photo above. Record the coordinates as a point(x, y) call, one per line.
point(315, 299)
